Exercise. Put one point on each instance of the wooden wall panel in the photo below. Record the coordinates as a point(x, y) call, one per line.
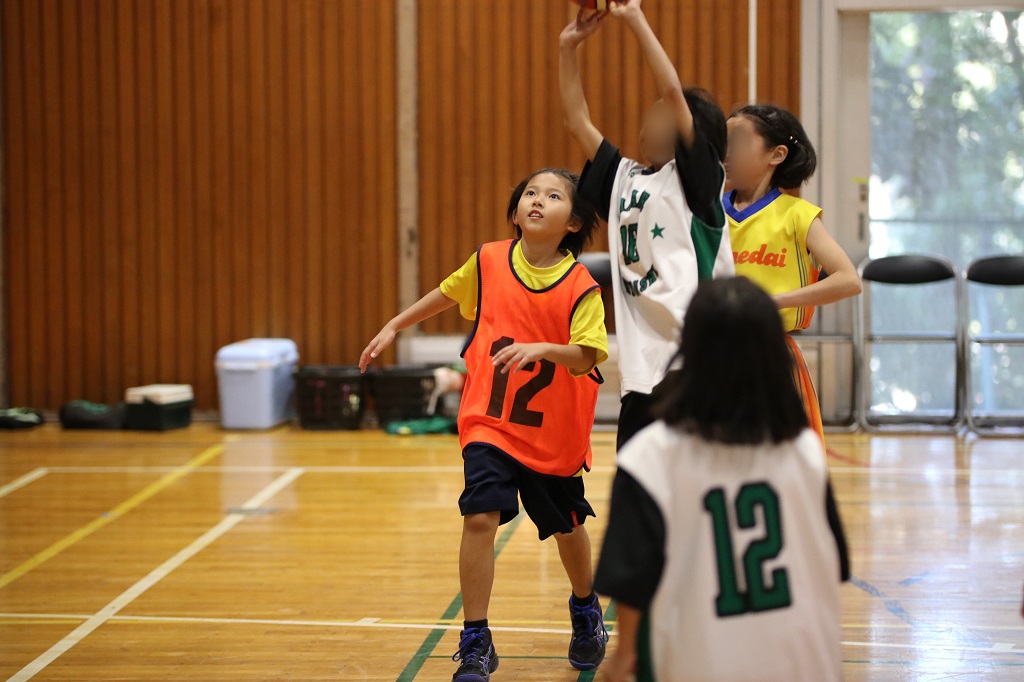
point(180, 174)
point(778, 53)
point(183, 174)
point(490, 111)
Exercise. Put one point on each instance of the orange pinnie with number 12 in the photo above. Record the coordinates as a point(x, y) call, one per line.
point(542, 416)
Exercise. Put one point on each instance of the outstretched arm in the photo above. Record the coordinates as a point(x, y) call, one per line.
point(428, 306)
point(665, 76)
point(574, 102)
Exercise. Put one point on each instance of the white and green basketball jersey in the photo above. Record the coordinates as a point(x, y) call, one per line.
point(660, 251)
point(750, 583)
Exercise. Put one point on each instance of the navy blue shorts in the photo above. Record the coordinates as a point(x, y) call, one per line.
point(495, 482)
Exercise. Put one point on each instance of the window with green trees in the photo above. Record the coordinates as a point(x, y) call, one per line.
point(947, 127)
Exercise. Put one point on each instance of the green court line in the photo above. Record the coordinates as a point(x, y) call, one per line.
point(412, 668)
point(609, 614)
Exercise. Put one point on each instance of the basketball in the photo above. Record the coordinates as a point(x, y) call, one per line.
point(592, 4)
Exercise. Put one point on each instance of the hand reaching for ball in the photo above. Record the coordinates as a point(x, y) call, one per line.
point(622, 8)
point(584, 25)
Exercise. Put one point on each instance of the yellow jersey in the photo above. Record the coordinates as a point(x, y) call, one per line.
point(769, 247)
point(587, 326)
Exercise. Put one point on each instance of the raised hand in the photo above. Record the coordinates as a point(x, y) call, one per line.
point(580, 28)
point(621, 9)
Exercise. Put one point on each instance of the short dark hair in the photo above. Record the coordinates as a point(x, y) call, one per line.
point(708, 118)
point(736, 384)
point(582, 210)
point(779, 126)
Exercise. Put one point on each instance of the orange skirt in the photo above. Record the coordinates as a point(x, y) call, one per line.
point(806, 388)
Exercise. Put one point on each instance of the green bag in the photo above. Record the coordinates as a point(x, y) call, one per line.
point(418, 427)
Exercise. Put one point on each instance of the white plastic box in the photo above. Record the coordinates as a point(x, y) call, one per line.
point(255, 382)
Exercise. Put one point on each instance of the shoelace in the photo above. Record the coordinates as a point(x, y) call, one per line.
point(588, 627)
point(468, 652)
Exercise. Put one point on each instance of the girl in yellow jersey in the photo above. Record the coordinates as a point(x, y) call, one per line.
point(778, 240)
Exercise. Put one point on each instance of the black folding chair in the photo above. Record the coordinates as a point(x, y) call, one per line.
point(600, 266)
point(908, 271)
point(983, 339)
point(599, 263)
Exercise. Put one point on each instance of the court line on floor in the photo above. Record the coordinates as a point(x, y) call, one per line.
point(269, 468)
point(444, 468)
point(996, 648)
point(23, 481)
point(958, 674)
point(417, 444)
point(896, 608)
point(920, 472)
point(590, 675)
point(841, 457)
point(374, 623)
point(893, 606)
point(117, 512)
point(412, 668)
point(449, 623)
point(156, 575)
point(914, 579)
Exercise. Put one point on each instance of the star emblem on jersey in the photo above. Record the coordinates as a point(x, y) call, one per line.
point(657, 232)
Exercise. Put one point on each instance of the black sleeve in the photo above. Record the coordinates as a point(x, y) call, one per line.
point(633, 553)
point(598, 178)
point(702, 175)
point(836, 524)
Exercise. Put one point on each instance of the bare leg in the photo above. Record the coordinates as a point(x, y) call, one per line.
point(574, 550)
point(476, 563)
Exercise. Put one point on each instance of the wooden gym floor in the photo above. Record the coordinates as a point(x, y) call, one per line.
point(203, 554)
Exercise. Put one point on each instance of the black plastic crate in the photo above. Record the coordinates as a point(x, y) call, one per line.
point(402, 393)
point(151, 416)
point(330, 397)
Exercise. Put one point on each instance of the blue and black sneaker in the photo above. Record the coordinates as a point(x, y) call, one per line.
point(589, 636)
point(477, 655)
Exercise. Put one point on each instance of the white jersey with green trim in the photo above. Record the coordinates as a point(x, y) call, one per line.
point(750, 585)
point(659, 252)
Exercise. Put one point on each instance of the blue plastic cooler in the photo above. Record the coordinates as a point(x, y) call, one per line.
point(255, 382)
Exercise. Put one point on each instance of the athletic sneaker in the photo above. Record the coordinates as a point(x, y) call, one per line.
point(477, 655)
point(589, 636)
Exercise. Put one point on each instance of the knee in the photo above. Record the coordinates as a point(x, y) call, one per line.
point(574, 535)
point(480, 524)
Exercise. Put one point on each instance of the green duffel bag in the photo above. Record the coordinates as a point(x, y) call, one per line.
point(81, 414)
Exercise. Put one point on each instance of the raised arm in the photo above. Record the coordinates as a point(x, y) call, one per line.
point(574, 102)
point(428, 306)
point(665, 76)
